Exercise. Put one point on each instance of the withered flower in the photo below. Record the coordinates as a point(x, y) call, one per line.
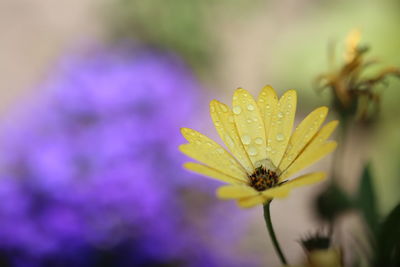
point(355, 93)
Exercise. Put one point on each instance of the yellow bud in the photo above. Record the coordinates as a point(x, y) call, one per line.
point(325, 258)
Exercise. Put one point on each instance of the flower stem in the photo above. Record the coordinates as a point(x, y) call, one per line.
point(268, 222)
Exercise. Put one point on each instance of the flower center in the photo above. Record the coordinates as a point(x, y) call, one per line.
point(262, 179)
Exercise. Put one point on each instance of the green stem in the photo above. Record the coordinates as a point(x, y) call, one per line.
point(268, 222)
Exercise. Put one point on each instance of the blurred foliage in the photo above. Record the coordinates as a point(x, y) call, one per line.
point(388, 240)
point(383, 232)
point(366, 200)
point(179, 25)
point(332, 202)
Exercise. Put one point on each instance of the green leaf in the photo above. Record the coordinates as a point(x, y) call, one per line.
point(332, 202)
point(388, 240)
point(366, 200)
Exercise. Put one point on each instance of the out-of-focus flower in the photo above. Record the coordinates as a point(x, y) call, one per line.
point(265, 152)
point(354, 92)
point(320, 253)
point(88, 177)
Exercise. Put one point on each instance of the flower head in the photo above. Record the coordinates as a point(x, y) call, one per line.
point(264, 152)
point(354, 90)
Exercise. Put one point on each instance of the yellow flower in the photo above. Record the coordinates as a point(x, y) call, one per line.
point(264, 152)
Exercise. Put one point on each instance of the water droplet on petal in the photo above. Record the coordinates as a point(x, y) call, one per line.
point(252, 151)
point(249, 121)
point(246, 139)
point(237, 110)
point(280, 115)
point(268, 106)
point(250, 107)
point(229, 140)
point(258, 140)
point(269, 148)
point(217, 123)
point(280, 137)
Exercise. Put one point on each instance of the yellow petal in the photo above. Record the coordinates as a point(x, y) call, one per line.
point(210, 172)
point(250, 125)
point(249, 202)
point(267, 102)
point(277, 192)
point(306, 179)
point(216, 158)
point(308, 157)
point(283, 191)
point(222, 117)
point(236, 191)
point(281, 127)
point(323, 134)
point(302, 135)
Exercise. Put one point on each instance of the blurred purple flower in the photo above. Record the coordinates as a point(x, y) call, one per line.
point(91, 165)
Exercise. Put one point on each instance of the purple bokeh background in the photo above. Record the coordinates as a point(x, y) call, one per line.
point(91, 175)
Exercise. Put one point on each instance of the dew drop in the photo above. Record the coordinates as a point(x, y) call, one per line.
point(280, 137)
point(246, 139)
point(252, 151)
point(280, 115)
point(229, 140)
point(217, 123)
point(250, 107)
point(237, 110)
point(258, 140)
point(267, 106)
point(269, 148)
point(249, 121)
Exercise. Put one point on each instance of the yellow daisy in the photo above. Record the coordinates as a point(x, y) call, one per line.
point(264, 152)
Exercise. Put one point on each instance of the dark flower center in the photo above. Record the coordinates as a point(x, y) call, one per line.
point(262, 179)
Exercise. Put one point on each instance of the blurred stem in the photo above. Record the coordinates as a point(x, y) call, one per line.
point(268, 222)
point(339, 155)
